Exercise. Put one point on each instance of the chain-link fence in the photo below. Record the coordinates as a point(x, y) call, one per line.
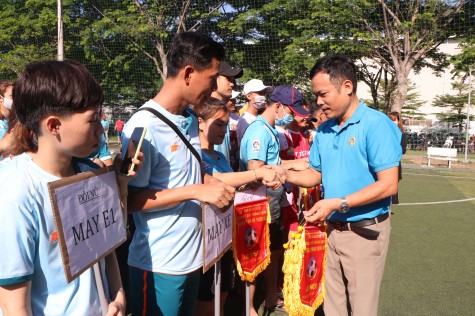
point(124, 44)
point(423, 140)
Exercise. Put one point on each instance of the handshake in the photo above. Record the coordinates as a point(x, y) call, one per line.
point(219, 189)
point(278, 174)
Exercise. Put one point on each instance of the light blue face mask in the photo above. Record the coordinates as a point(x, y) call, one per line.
point(287, 119)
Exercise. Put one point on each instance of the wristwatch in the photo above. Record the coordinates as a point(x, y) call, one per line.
point(343, 206)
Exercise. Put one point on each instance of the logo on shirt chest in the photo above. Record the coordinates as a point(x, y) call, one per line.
point(352, 141)
point(174, 147)
point(54, 237)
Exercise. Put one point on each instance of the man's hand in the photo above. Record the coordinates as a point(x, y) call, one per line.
point(297, 165)
point(321, 210)
point(117, 306)
point(281, 172)
point(214, 192)
point(270, 177)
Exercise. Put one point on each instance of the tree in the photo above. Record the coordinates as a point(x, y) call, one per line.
point(387, 93)
point(397, 36)
point(409, 31)
point(264, 37)
point(466, 59)
point(456, 105)
point(127, 36)
point(26, 34)
point(124, 43)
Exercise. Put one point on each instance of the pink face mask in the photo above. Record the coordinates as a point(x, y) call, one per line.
point(7, 103)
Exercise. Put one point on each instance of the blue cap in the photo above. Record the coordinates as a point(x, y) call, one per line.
point(291, 97)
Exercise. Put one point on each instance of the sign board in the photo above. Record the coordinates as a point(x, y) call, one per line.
point(249, 194)
point(217, 233)
point(88, 217)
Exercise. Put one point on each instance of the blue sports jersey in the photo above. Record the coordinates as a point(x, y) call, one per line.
point(105, 125)
point(260, 142)
point(166, 240)
point(225, 146)
point(102, 152)
point(3, 127)
point(349, 158)
point(30, 248)
point(211, 165)
point(3, 131)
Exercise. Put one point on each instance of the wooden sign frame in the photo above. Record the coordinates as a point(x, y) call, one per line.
point(115, 239)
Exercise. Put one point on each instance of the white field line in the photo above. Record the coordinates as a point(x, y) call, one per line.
point(435, 175)
point(438, 202)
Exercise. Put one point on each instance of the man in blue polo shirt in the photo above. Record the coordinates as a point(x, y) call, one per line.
point(355, 155)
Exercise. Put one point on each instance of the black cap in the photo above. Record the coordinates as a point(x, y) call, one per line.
point(228, 71)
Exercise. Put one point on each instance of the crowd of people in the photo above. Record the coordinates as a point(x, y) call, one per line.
point(198, 149)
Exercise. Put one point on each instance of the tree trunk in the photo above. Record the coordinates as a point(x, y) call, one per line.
point(402, 79)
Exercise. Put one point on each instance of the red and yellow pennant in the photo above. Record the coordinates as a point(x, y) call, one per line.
point(304, 266)
point(310, 196)
point(251, 238)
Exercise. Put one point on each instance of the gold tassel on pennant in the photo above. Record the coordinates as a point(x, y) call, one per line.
point(293, 270)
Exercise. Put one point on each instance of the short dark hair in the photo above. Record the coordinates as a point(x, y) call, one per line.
point(54, 87)
point(339, 68)
point(210, 108)
point(192, 48)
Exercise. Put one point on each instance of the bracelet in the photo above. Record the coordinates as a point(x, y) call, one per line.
point(255, 174)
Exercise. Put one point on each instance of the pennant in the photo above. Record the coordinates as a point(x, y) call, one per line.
point(310, 196)
point(251, 238)
point(304, 266)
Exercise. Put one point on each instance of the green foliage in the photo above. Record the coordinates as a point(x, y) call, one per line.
point(387, 93)
point(466, 59)
point(124, 43)
point(455, 106)
point(26, 34)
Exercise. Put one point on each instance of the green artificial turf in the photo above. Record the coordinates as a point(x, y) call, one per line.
point(430, 268)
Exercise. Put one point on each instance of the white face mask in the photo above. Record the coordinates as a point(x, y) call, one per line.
point(259, 102)
point(7, 103)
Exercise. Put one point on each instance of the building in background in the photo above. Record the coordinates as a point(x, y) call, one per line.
point(428, 86)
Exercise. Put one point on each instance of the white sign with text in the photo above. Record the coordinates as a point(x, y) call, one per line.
point(250, 194)
point(88, 217)
point(217, 233)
